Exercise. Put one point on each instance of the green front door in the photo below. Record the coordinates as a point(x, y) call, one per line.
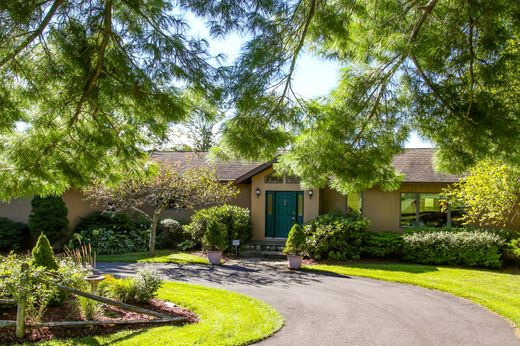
point(283, 210)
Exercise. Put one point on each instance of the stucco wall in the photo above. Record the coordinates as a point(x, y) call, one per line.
point(243, 199)
point(17, 210)
point(77, 207)
point(383, 208)
point(332, 201)
point(310, 205)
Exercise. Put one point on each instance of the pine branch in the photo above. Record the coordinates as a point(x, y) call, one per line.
point(35, 33)
point(107, 31)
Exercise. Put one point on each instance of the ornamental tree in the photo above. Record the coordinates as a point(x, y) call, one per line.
point(490, 194)
point(165, 186)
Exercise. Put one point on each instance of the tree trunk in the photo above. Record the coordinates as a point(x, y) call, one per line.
point(153, 234)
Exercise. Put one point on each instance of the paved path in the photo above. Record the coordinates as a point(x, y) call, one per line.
point(333, 310)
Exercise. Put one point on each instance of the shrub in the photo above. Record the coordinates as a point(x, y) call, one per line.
point(138, 289)
point(236, 220)
point(170, 234)
point(13, 235)
point(296, 243)
point(512, 252)
point(186, 245)
point(49, 215)
point(42, 254)
point(88, 308)
point(466, 248)
point(215, 237)
point(506, 234)
point(336, 236)
point(111, 233)
point(381, 244)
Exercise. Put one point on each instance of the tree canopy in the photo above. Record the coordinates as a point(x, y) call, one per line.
point(92, 81)
point(490, 194)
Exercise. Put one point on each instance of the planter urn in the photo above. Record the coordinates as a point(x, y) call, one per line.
point(214, 256)
point(295, 261)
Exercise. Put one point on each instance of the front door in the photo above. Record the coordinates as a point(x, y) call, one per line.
point(282, 212)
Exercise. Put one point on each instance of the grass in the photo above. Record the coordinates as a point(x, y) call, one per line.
point(497, 290)
point(161, 256)
point(226, 318)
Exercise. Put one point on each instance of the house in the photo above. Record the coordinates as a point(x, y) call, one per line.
point(277, 202)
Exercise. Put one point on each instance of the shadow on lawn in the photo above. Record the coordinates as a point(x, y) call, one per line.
point(382, 265)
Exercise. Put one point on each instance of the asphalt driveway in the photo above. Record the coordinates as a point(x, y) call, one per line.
point(335, 310)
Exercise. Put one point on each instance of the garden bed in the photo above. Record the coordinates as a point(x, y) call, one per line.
point(70, 312)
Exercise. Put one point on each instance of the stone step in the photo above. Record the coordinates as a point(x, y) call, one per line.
point(264, 247)
point(262, 253)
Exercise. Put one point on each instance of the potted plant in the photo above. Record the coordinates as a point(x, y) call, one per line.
point(214, 241)
point(295, 247)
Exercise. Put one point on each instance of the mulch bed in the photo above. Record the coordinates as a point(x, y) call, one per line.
point(70, 312)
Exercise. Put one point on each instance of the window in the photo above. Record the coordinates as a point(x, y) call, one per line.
point(292, 179)
point(425, 209)
point(355, 201)
point(273, 179)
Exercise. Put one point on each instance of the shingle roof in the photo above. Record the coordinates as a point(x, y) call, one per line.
point(417, 165)
point(226, 171)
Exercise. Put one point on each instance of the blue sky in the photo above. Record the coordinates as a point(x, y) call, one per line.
point(313, 76)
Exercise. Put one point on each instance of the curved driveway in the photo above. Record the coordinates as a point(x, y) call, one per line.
point(336, 310)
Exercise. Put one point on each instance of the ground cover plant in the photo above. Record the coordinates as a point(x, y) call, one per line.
point(497, 290)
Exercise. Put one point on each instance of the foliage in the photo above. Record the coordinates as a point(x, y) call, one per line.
point(171, 185)
point(497, 290)
point(13, 235)
point(214, 237)
point(466, 248)
point(506, 234)
point(336, 236)
point(49, 215)
point(110, 241)
point(490, 194)
point(138, 289)
point(400, 72)
point(82, 255)
point(381, 244)
point(170, 233)
point(39, 295)
point(296, 243)
point(186, 245)
point(512, 252)
point(87, 86)
point(236, 220)
point(42, 254)
point(118, 222)
point(111, 233)
point(89, 308)
point(200, 128)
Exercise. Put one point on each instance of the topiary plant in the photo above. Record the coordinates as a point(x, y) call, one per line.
point(49, 215)
point(296, 242)
point(215, 237)
point(42, 254)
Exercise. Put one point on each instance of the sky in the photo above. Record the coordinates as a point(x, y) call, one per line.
point(314, 77)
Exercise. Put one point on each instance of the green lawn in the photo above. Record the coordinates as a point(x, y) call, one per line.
point(226, 318)
point(161, 256)
point(497, 290)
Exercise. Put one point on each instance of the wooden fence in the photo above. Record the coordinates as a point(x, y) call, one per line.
point(21, 324)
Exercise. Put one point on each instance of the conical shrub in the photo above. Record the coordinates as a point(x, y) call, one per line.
point(42, 254)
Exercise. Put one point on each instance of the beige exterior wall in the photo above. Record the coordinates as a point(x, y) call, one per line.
point(17, 210)
point(77, 207)
point(383, 208)
point(311, 206)
point(243, 199)
point(332, 201)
